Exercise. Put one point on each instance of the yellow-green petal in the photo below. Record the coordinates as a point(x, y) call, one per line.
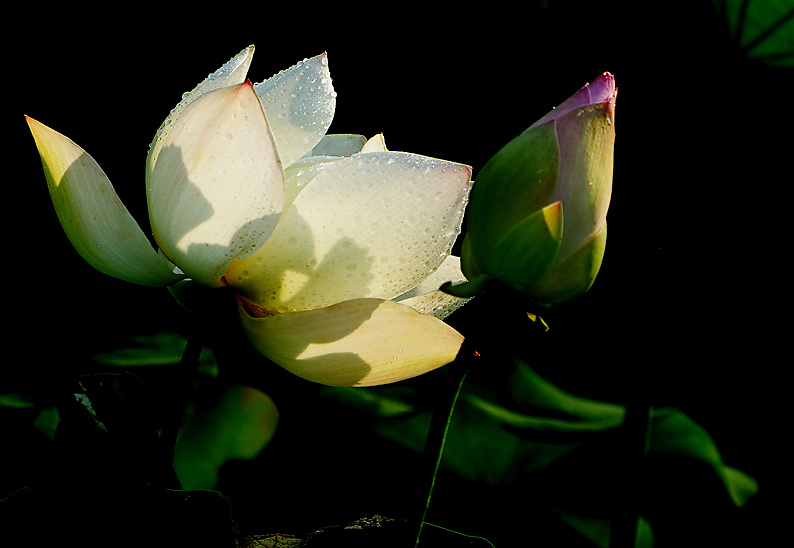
point(573, 275)
point(361, 342)
point(529, 250)
point(96, 222)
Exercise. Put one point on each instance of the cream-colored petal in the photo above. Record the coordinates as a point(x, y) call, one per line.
point(300, 104)
point(427, 299)
point(372, 225)
point(232, 73)
point(362, 342)
point(338, 145)
point(216, 190)
point(375, 144)
point(301, 173)
point(96, 222)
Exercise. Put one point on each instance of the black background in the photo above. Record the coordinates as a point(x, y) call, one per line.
point(692, 298)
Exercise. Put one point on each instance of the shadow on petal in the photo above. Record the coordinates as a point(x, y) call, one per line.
point(361, 342)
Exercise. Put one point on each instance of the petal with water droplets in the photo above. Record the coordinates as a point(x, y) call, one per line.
point(300, 104)
point(216, 190)
point(232, 73)
point(372, 225)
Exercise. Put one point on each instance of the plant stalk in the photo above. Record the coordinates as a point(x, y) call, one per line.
point(439, 427)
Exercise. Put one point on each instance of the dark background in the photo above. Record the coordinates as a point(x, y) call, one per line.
point(691, 303)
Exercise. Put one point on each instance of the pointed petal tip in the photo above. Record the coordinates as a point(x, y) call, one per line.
point(602, 89)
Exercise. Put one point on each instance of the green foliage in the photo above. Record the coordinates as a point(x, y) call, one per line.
point(158, 349)
point(234, 424)
point(763, 30)
point(675, 433)
point(527, 428)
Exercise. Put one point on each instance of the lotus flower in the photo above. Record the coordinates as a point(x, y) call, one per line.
point(333, 245)
point(537, 216)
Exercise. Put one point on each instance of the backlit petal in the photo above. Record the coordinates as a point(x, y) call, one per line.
point(338, 145)
point(300, 104)
point(232, 73)
point(362, 342)
point(584, 182)
point(426, 297)
point(372, 225)
point(216, 189)
point(92, 215)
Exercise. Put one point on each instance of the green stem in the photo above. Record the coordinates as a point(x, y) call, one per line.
point(439, 427)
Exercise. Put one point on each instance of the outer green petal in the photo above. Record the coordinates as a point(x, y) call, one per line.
point(529, 250)
point(574, 275)
point(515, 183)
point(362, 342)
point(300, 104)
point(216, 189)
point(92, 215)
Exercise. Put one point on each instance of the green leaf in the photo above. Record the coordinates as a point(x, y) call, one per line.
point(236, 423)
point(597, 530)
point(16, 400)
point(673, 432)
point(372, 402)
point(763, 29)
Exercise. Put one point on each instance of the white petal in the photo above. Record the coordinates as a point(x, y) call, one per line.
point(372, 225)
point(232, 73)
point(216, 190)
point(362, 342)
point(427, 299)
point(300, 104)
point(338, 145)
point(302, 172)
point(375, 144)
point(92, 215)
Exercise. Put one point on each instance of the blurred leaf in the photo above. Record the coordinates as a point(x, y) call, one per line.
point(673, 432)
point(154, 350)
point(546, 428)
point(15, 400)
point(540, 408)
point(47, 421)
point(372, 402)
point(597, 530)
point(236, 424)
point(763, 29)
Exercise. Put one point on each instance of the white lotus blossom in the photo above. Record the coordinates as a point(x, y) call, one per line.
point(334, 245)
